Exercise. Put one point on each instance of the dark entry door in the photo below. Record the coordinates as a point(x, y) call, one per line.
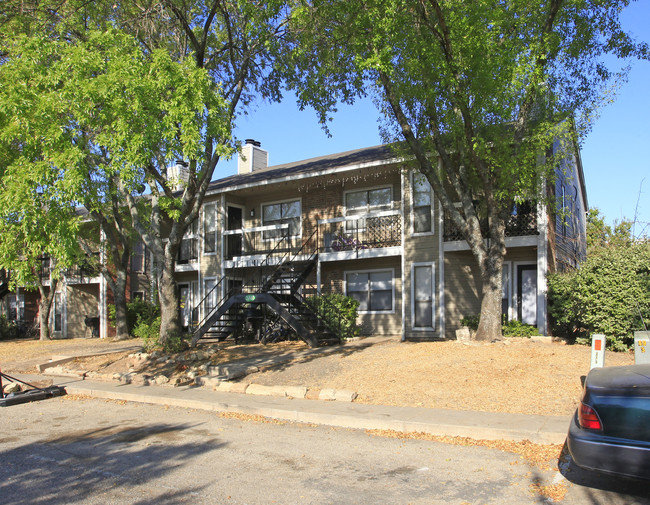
point(234, 242)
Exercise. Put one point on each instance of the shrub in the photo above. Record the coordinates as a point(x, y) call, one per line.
point(8, 329)
point(515, 328)
point(610, 294)
point(338, 311)
point(471, 322)
point(137, 312)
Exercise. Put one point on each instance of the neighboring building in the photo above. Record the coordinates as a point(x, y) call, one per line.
point(357, 223)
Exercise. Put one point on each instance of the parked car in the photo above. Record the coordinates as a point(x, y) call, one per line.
point(610, 431)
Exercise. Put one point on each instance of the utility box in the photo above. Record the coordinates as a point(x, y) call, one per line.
point(598, 351)
point(641, 347)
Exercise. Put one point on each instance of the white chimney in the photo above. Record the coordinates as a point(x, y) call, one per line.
point(178, 175)
point(252, 157)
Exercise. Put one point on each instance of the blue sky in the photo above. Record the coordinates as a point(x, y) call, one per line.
point(614, 155)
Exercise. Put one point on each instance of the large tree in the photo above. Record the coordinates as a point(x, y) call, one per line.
point(476, 92)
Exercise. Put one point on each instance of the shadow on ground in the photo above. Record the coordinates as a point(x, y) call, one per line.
point(106, 465)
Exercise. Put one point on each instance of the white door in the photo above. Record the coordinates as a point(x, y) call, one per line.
point(527, 294)
point(423, 296)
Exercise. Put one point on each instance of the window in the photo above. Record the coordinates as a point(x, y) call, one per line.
point(189, 245)
point(422, 208)
point(15, 308)
point(373, 290)
point(58, 312)
point(209, 228)
point(138, 257)
point(281, 213)
point(363, 202)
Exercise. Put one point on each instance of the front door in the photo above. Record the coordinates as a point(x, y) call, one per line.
point(186, 309)
point(423, 297)
point(527, 294)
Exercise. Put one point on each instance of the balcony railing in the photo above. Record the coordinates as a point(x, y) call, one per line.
point(520, 224)
point(259, 241)
point(361, 231)
point(84, 271)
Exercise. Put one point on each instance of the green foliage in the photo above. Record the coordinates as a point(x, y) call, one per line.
point(610, 295)
point(471, 322)
point(514, 328)
point(338, 311)
point(149, 333)
point(8, 329)
point(138, 313)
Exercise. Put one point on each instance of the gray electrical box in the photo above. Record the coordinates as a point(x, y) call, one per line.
point(641, 347)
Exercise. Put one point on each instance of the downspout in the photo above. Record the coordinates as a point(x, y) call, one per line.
point(403, 259)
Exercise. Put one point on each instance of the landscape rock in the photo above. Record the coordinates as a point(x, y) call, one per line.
point(13, 387)
point(161, 379)
point(327, 394)
point(344, 395)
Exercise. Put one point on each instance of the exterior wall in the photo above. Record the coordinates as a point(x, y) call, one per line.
point(419, 249)
point(333, 281)
point(81, 300)
point(463, 285)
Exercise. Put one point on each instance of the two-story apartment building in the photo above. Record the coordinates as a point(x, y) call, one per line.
point(358, 223)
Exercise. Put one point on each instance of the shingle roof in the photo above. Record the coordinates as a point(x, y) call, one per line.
point(306, 168)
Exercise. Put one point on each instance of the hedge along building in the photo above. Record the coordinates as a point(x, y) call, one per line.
point(358, 223)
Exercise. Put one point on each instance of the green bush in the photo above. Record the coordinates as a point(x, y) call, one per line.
point(149, 333)
point(338, 311)
point(610, 295)
point(515, 328)
point(137, 312)
point(512, 328)
point(8, 329)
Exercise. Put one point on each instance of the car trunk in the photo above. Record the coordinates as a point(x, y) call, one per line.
point(621, 397)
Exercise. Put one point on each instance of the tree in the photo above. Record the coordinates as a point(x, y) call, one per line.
point(236, 43)
point(476, 92)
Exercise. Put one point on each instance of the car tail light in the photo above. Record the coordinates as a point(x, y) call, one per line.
point(588, 418)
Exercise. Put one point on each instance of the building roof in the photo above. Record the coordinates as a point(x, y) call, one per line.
point(349, 160)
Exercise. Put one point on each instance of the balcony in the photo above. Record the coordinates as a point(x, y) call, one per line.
point(85, 272)
point(522, 223)
point(360, 235)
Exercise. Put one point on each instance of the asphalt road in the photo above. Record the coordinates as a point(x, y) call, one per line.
point(70, 451)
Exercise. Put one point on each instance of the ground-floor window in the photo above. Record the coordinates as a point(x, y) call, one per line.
point(374, 290)
point(423, 279)
point(58, 312)
point(15, 307)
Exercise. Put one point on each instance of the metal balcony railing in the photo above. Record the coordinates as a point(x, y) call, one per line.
point(84, 271)
point(520, 224)
point(260, 241)
point(361, 231)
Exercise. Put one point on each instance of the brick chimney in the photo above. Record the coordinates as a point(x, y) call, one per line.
point(252, 157)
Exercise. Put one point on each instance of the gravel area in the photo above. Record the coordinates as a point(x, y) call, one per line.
point(515, 375)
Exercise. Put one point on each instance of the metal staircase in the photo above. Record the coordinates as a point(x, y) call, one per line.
point(276, 290)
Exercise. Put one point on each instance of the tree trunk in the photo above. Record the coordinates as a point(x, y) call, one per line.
point(119, 294)
point(170, 316)
point(490, 324)
point(44, 307)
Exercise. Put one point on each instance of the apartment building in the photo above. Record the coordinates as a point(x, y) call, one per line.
point(361, 223)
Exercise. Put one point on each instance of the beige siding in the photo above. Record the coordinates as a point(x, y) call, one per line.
point(81, 301)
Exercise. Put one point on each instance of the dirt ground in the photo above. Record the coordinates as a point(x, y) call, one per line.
point(515, 375)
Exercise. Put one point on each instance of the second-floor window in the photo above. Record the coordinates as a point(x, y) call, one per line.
point(422, 209)
point(138, 257)
point(281, 213)
point(209, 228)
point(364, 202)
point(188, 251)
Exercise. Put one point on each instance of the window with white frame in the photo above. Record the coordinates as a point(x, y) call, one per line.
point(374, 290)
point(189, 245)
point(366, 201)
point(15, 307)
point(422, 204)
point(58, 312)
point(505, 290)
point(281, 213)
point(209, 228)
point(138, 257)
